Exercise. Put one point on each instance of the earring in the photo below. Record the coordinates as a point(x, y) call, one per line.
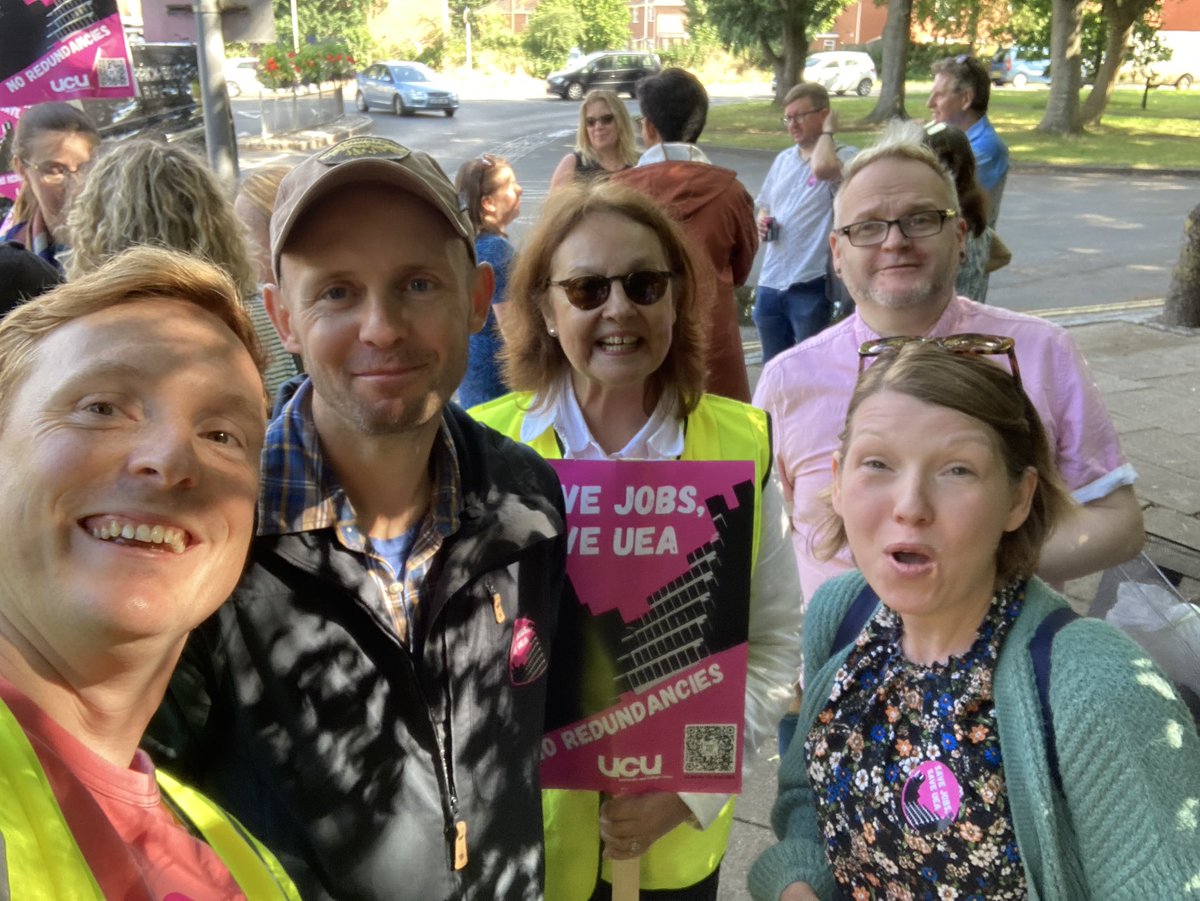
point(552, 330)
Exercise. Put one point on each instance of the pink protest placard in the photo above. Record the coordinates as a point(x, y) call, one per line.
point(650, 663)
point(62, 50)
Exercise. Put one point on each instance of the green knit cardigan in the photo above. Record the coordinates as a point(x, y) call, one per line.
point(1129, 824)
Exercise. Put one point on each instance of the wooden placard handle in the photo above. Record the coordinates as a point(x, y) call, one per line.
point(626, 876)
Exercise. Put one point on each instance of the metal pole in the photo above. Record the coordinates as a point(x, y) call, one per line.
point(467, 30)
point(219, 137)
point(295, 29)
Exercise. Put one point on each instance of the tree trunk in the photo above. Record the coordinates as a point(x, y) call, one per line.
point(790, 65)
point(1106, 75)
point(1062, 107)
point(895, 59)
point(1182, 306)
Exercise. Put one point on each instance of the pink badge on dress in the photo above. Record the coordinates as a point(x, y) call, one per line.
point(931, 797)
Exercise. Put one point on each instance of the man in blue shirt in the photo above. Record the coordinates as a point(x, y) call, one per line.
point(961, 90)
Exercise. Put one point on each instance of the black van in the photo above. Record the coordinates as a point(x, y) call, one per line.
point(616, 70)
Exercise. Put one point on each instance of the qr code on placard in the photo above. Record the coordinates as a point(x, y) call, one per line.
point(112, 73)
point(709, 750)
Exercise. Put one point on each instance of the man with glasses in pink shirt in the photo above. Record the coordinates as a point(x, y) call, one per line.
point(897, 243)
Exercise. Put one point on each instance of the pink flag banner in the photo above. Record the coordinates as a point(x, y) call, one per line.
point(62, 50)
point(648, 680)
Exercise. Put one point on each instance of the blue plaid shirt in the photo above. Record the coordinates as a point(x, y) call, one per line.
point(300, 493)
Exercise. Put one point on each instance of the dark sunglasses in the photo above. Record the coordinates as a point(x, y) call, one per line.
point(589, 292)
point(968, 343)
point(606, 119)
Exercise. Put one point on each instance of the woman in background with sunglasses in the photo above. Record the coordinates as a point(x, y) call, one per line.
point(53, 145)
point(605, 142)
point(488, 186)
point(927, 762)
point(604, 348)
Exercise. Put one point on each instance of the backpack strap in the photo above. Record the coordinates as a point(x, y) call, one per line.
point(856, 617)
point(1040, 648)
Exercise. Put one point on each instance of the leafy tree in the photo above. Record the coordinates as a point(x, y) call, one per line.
point(346, 20)
point(1120, 17)
point(777, 29)
point(605, 24)
point(554, 28)
point(1066, 63)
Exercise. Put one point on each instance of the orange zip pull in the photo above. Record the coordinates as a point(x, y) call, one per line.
point(460, 845)
point(498, 607)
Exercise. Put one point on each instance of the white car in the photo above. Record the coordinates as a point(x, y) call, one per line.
point(241, 76)
point(840, 71)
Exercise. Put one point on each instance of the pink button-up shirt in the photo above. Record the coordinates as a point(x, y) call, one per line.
point(807, 390)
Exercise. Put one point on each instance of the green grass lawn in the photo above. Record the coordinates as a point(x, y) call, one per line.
point(1166, 135)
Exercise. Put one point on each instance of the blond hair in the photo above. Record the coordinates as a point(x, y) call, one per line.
point(626, 142)
point(898, 142)
point(160, 195)
point(141, 273)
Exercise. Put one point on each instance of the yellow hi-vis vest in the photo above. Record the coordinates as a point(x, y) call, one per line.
point(39, 857)
point(718, 429)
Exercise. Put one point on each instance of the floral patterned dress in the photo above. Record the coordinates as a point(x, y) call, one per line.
point(905, 766)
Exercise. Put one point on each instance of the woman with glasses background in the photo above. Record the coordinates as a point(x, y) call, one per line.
point(604, 143)
point(927, 763)
point(53, 145)
point(605, 351)
point(488, 186)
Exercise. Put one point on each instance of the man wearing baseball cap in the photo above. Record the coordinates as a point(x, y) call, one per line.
point(370, 702)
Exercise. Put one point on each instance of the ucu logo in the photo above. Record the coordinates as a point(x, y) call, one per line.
point(70, 83)
point(629, 767)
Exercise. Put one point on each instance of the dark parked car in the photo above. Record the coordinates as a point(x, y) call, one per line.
point(1019, 67)
point(616, 70)
point(403, 88)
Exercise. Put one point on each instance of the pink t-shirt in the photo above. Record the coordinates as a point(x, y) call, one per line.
point(807, 391)
point(133, 844)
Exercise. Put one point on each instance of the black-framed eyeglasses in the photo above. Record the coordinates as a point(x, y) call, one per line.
point(589, 292)
point(921, 224)
point(967, 343)
point(799, 117)
point(53, 173)
point(605, 119)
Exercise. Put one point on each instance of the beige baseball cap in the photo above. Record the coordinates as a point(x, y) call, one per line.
point(365, 159)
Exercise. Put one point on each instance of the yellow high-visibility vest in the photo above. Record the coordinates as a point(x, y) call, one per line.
point(41, 859)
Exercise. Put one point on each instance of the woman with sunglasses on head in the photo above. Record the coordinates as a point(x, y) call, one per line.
point(604, 144)
point(488, 186)
point(53, 145)
point(604, 350)
point(928, 763)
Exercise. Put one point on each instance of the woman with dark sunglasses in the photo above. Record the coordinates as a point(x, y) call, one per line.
point(604, 144)
point(962, 735)
point(605, 353)
point(488, 186)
